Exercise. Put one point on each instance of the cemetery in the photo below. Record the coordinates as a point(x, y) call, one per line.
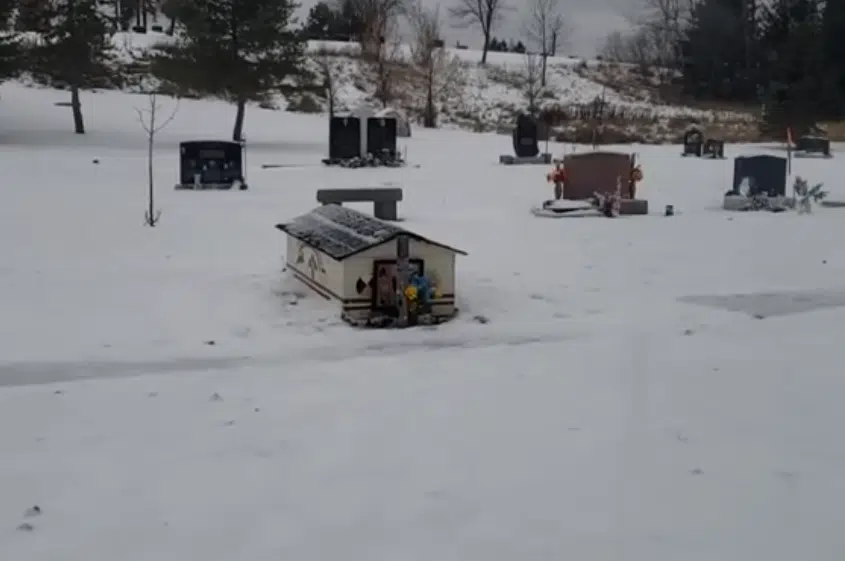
point(211, 164)
point(376, 273)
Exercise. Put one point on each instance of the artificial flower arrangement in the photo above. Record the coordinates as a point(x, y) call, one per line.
point(419, 293)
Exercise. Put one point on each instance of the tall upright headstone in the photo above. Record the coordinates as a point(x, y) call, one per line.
point(381, 136)
point(344, 138)
point(525, 137)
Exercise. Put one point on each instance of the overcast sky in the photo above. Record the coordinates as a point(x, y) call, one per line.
point(589, 20)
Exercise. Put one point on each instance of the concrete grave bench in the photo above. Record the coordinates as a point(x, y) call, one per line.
point(384, 199)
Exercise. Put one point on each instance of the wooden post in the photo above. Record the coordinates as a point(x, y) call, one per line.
point(402, 277)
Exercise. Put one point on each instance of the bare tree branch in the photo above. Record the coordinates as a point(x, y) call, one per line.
point(533, 87)
point(437, 73)
point(544, 28)
point(329, 86)
point(484, 14)
point(376, 18)
point(147, 118)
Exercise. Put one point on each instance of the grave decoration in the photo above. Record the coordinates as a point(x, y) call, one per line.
point(806, 196)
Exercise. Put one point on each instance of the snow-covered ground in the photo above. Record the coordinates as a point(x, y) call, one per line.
point(600, 414)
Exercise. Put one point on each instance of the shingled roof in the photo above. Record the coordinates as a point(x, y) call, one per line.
point(342, 232)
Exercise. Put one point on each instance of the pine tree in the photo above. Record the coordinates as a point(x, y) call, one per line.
point(833, 31)
point(239, 50)
point(75, 50)
point(324, 23)
point(800, 89)
point(721, 50)
point(10, 53)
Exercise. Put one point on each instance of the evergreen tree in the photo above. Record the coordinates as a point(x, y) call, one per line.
point(323, 22)
point(833, 38)
point(350, 19)
point(10, 53)
point(240, 50)
point(800, 88)
point(32, 15)
point(721, 51)
point(75, 50)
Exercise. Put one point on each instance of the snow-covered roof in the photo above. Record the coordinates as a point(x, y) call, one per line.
point(342, 232)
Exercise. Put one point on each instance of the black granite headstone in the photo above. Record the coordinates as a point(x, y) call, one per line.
point(693, 142)
point(813, 145)
point(344, 138)
point(381, 136)
point(525, 137)
point(215, 161)
point(765, 174)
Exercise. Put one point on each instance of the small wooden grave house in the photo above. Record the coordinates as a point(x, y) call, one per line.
point(354, 260)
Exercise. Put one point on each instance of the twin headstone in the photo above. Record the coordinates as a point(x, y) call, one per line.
point(352, 137)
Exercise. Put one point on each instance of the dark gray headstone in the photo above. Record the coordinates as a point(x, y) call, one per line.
point(381, 136)
point(526, 137)
point(813, 145)
point(765, 174)
point(693, 142)
point(214, 161)
point(344, 138)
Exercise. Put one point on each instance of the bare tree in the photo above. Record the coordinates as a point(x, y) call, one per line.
point(532, 84)
point(482, 13)
point(147, 118)
point(664, 22)
point(545, 29)
point(638, 48)
point(615, 47)
point(376, 17)
point(386, 66)
point(438, 73)
point(329, 85)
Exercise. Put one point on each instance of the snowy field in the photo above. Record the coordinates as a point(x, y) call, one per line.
point(603, 413)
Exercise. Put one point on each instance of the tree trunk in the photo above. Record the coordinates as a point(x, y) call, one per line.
point(172, 29)
point(430, 118)
point(76, 109)
point(486, 47)
point(238, 132)
point(545, 58)
point(150, 145)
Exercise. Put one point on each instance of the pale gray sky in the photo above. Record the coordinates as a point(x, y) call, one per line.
point(590, 21)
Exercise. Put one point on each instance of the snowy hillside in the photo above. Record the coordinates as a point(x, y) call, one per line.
point(640, 389)
point(487, 98)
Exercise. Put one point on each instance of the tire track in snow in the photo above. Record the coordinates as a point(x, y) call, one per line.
point(27, 373)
